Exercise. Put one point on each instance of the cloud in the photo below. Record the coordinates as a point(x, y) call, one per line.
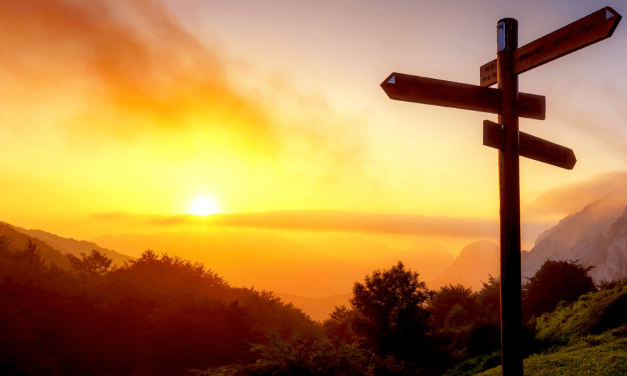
point(123, 68)
point(573, 198)
point(362, 222)
point(127, 71)
point(153, 219)
point(334, 221)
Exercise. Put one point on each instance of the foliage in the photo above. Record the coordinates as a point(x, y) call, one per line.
point(604, 354)
point(489, 301)
point(317, 356)
point(448, 298)
point(553, 282)
point(392, 307)
point(611, 284)
point(339, 326)
point(90, 266)
point(29, 256)
point(592, 313)
point(157, 315)
point(475, 365)
point(393, 316)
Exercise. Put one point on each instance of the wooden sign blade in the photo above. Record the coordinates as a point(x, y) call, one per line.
point(593, 28)
point(416, 89)
point(487, 74)
point(579, 34)
point(404, 87)
point(529, 146)
point(531, 106)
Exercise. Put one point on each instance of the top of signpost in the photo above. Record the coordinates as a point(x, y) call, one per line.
point(592, 28)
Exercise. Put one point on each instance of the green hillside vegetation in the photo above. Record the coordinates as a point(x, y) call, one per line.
point(588, 336)
point(604, 354)
point(593, 313)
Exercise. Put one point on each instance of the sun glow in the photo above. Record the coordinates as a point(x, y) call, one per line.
point(203, 205)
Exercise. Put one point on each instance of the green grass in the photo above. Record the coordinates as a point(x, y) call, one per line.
point(591, 314)
point(474, 365)
point(604, 354)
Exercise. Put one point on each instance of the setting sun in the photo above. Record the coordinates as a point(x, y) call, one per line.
point(203, 205)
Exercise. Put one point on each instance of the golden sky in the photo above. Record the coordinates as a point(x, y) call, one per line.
point(117, 114)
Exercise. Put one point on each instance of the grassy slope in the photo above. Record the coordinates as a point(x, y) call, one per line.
point(576, 327)
point(593, 313)
point(586, 338)
point(604, 354)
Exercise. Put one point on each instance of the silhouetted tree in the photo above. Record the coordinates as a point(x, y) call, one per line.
point(338, 327)
point(157, 315)
point(553, 282)
point(4, 244)
point(393, 314)
point(485, 337)
point(90, 266)
point(489, 301)
point(29, 256)
point(449, 296)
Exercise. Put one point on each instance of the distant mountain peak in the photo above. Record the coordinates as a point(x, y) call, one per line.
point(474, 263)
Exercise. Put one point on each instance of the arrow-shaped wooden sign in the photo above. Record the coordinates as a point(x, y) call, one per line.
point(408, 88)
point(529, 146)
point(593, 28)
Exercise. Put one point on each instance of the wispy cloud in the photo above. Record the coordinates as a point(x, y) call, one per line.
point(362, 222)
point(333, 221)
point(574, 197)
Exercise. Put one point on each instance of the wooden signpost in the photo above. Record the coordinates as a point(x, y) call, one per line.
point(509, 104)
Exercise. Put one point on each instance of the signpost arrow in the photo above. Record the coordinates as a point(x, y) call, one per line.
point(408, 88)
point(593, 28)
point(529, 146)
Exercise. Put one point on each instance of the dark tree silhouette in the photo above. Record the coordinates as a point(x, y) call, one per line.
point(157, 315)
point(29, 256)
point(338, 327)
point(393, 314)
point(489, 301)
point(447, 298)
point(553, 282)
point(90, 266)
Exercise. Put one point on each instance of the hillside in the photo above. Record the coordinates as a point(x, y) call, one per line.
point(19, 240)
point(604, 354)
point(75, 247)
point(589, 335)
point(597, 235)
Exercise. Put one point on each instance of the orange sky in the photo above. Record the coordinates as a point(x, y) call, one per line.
point(118, 114)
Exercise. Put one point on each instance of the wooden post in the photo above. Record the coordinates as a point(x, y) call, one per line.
point(509, 185)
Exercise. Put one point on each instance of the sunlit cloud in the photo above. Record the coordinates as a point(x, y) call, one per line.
point(573, 198)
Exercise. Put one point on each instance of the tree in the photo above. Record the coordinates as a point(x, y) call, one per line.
point(485, 338)
point(30, 256)
point(448, 297)
point(338, 327)
point(393, 313)
point(92, 266)
point(553, 282)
